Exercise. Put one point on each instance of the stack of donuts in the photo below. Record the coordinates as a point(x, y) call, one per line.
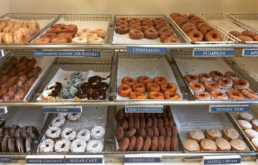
point(245, 35)
point(213, 140)
point(146, 131)
point(215, 81)
point(17, 32)
point(68, 140)
point(17, 74)
point(16, 138)
point(62, 33)
point(136, 90)
point(146, 28)
point(195, 28)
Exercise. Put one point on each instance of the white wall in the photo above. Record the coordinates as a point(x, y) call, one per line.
point(4, 7)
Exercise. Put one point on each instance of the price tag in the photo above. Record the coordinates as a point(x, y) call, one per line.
point(250, 52)
point(149, 50)
point(83, 159)
point(144, 109)
point(228, 108)
point(5, 159)
point(213, 53)
point(70, 109)
point(1, 53)
point(153, 159)
point(45, 159)
point(3, 110)
point(222, 160)
point(79, 53)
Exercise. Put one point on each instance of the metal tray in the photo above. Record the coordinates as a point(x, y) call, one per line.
point(74, 17)
point(188, 118)
point(224, 16)
point(32, 16)
point(183, 41)
point(78, 64)
point(246, 18)
point(100, 115)
point(225, 38)
point(114, 143)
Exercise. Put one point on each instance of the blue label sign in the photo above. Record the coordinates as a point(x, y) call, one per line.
point(141, 160)
point(83, 160)
point(1, 53)
point(2, 110)
point(250, 52)
point(62, 109)
point(149, 50)
point(5, 159)
point(214, 53)
point(130, 109)
point(67, 54)
point(45, 161)
point(218, 109)
point(223, 161)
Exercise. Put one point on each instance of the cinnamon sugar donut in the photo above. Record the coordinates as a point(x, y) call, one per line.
point(188, 29)
point(165, 30)
point(134, 20)
point(143, 79)
point(155, 95)
point(135, 27)
point(196, 87)
point(172, 95)
point(216, 75)
point(128, 81)
point(147, 27)
point(160, 80)
point(152, 87)
point(137, 95)
point(212, 36)
point(124, 90)
point(159, 26)
point(136, 34)
point(151, 34)
point(134, 23)
point(147, 23)
point(211, 86)
point(121, 23)
point(218, 95)
point(168, 87)
point(249, 33)
point(121, 29)
point(234, 94)
point(165, 36)
point(195, 35)
point(202, 96)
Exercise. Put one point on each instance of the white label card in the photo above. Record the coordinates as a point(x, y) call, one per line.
point(140, 159)
point(144, 108)
point(222, 160)
point(3, 110)
point(45, 159)
point(84, 159)
point(1, 53)
point(69, 109)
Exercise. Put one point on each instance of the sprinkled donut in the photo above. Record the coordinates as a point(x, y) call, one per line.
point(78, 75)
point(83, 135)
point(97, 132)
point(68, 133)
point(62, 114)
point(58, 121)
point(46, 146)
point(78, 145)
point(94, 146)
point(73, 117)
point(53, 133)
point(62, 146)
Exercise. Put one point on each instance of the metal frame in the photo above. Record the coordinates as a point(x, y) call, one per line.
point(250, 16)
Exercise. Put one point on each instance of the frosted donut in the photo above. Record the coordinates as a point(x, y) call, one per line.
point(78, 146)
point(62, 114)
point(21, 35)
point(97, 132)
point(58, 121)
point(68, 133)
point(240, 84)
point(79, 40)
point(231, 75)
point(53, 133)
point(204, 77)
point(46, 146)
point(100, 32)
point(83, 135)
point(96, 40)
point(49, 95)
point(62, 146)
point(88, 35)
point(94, 146)
point(225, 83)
point(86, 30)
point(34, 26)
point(211, 86)
point(73, 117)
point(8, 38)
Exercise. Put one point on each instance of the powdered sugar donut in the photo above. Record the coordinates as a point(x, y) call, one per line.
point(62, 146)
point(245, 116)
point(83, 135)
point(94, 146)
point(73, 117)
point(97, 132)
point(53, 133)
point(78, 145)
point(68, 133)
point(58, 121)
point(62, 114)
point(46, 146)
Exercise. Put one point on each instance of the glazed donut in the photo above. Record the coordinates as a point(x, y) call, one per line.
point(172, 95)
point(58, 121)
point(84, 135)
point(231, 75)
point(59, 40)
point(11, 23)
point(54, 30)
point(21, 35)
point(34, 26)
point(159, 26)
point(218, 95)
point(212, 36)
point(155, 95)
point(202, 25)
point(202, 96)
point(211, 86)
point(136, 34)
point(121, 29)
point(165, 30)
point(61, 26)
point(139, 87)
point(88, 35)
point(74, 117)
point(147, 23)
point(78, 145)
point(216, 75)
point(48, 35)
point(79, 40)
point(191, 78)
point(85, 30)
point(100, 32)
point(121, 23)
point(204, 77)
point(124, 90)
point(165, 36)
point(240, 84)
point(159, 80)
point(249, 94)
point(134, 20)
point(71, 26)
point(96, 40)
point(53, 133)
point(152, 87)
point(68, 133)
point(195, 35)
point(234, 94)
point(62, 146)
point(196, 87)
point(151, 34)
point(225, 83)
point(245, 38)
point(68, 36)
point(94, 146)
point(42, 40)
point(143, 79)
point(206, 29)
point(168, 87)
point(137, 95)
point(172, 40)
point(249, 33)
point(188, 29)
point(135, 27)
point(47, 146)
point(236, 33)
point(147, 27)
point(97, 132)
point(122, 19)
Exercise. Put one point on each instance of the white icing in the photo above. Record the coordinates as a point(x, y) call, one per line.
point(83, 135)
point(208, 144)
point(46, 146)
point(71, 136)
point(231, 132)
point(46, 93)
point(223, 144)
point(58, 121)
point(196, 134)
point(78, 145)
point(80, 40)
point(255, 122)
point(94, 146)
point(62, 114)
point(246, 116)
point(74, 116)
point(255, 141)
point(190, 145)
point(62, 146)
point(214, 132)
point(97, 132)
point(238, 144)
point(244, 123)
point(53, 132)
point(251, 133)
point(51, 85)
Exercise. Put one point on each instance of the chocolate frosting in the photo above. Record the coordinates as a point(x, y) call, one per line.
point(95, 79)
point(54, 93)
point(87, 86)
point(98, 95)
point(83, 94)
point(58, 86)
point(101, 86)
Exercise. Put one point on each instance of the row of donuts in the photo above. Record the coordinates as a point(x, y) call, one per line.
point(62, 33)
point(136, 90)
point(68, 140)
point(245, 35)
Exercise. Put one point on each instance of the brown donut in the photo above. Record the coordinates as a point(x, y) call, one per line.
point(165, 36)
point(195, 36)
point(168, 131)
point(151, 34)
point(182, 21)
point(123, 144)
point(147, 115)
point(167, 144)
point(236, 33)
point(188, 25)
point(169, 113)
point(162, 131)
point(197, 22)
point(158, 115)
point(172, 40)
point(139, 143)
point(124, 124)
point(134, 23)
point(212, 36)
point(206, 29)
point(245, 38)
point(147, 27)
point(188, 29)
point(122, 23)
point(249, 33)
point(149, 132)
point(202, 25)
point(174, 144)
point(136, 34)
point(171, 122)
point(125, 114)
point(130, 133)
point(147, 23)
point(255, 37)
point(141, 115)
point(154, 122)
point(174, 131)
point(149, 123)
point(48, 35)
point(130, 115)
point(139, 87)
point(146, 144)
point(122, 19)
point(121, 29)
point(164, 114)
point(141, 132)
point(132, 143)
point(161, 143)
point(165, 30)
point(119, 133)
point(165, 122)
point(145, 19)
point(134, 20)
point(135, 27)
point(136, 115)
point(160, 122)
point(61, 26)
point(136, 123)
point(130, 122)
point(194, 18)
point(54, 30)
point(143, 124)
point(120, 115)
point(155, 131)
point(154, 143)
point(159, 26)
point(68, 36)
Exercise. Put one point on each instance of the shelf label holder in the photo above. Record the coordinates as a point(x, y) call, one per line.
point(1, 53)
point(228, 108)
point(144, 108)
point(84, 159)
point(250, 52)
point(5, 159)
point(3, 110)
point(62, 109)
point(45, 159)
point(213, 52)
point(222, 160)
point(149, 50)
point(150, 158)
point(66, 53)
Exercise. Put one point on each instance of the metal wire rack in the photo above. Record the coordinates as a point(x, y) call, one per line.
point(75, 17)
point(32, 16)
point(223, 16)
point(244, 17)
point(183, 41)
point(225, 38)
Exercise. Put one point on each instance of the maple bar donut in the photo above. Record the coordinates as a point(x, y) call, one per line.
point(244, 124)
point(143, 79)
point(151, 34)
point(152, 87)
point(234, 94)
point(202, 96)
point(137, 95)
point(208, 145)
point(225, 83)
point(139, 87)
point(212, 36)
point(240, 84)
point(204, 77)
point(172, 95)
point(213, 133)
point(155, 95)
point(195, 35)
point(42, 40)
point(124, 90)
point(48, 35)
point(136, 34)
point(249, 94)
point(230, 134)
point(196, 135)
point(160, 80)
point(128, 81)
point(121, 29)
point(216, 75)
point(211, 86)
point(245, 116)
point(218, 95)
point(196, 87)
point(231, 75)
point(191, 78)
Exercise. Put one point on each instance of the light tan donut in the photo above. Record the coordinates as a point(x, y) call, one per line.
point(100, 32)
point(86, 30)
point(96, 40)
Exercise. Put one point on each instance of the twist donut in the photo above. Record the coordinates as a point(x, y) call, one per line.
point(137, 95)
point(155, 95)
point(234, 94)
point(136, 34)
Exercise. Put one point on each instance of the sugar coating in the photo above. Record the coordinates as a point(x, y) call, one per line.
point(58, 121)
point(68, 92)
point(74, 116)
point(78, 145)
point(83, 135)
point(68, 133)
point(255, 142)
point(252, 133)
point(53, 132)
point(94, 146)
point(97, 132)
point(245, 124)
point(46, 146)
point(62, 146)
point(77, 75)
point(62, 114)
point(74, 82)
point(246, 116)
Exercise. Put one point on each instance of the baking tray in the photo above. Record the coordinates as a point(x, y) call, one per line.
point(45, 63)
point(115, 143)
point(225, 38)
point(228, 23)
point(91, 117)
point(148, 41)
point(88, 19)
point(49, 18)
point(129, 65)
point(189, 118)
point(250, 19)
point(25, 116)
point(84, 65)
point(187, 64)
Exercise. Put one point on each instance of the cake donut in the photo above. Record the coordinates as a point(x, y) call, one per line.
point(119, 133)
point(62, 146)
point(74, 117)
point(132, 143)
point(124, 90)
point(151, 34)
point(47, 146)
point(152, 87)
point(196, 87)
point(160, 80)
point(53, 133)
point(249, 94)
point(171, 87)
point(225, 83)
point(19, 144)
point(78, 145)
point(155, 95)
point(146, 144)
point(32, 132)
point(121, 29)
point(195, 35)
point(240, 84)
point(216, 75)
point(94, 146)
point(128, 81)
point(234, 94)
point(202, 96)
point(191, 78)
point(204, 77)
point(58, 121)
point(136, 34)
point(218, 95)
point(97, 132)
point(139, 87)
point(68, 133)
point(83, 135)
point(143, 79)
point(160, 143)
point(231, 75)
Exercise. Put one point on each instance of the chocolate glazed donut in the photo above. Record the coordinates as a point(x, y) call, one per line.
point(13, 129)
point(20, 145)
point(98, 95)
point(4, 145)
point(11, 145)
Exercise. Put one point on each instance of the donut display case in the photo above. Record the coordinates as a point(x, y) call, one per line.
point(250, 19)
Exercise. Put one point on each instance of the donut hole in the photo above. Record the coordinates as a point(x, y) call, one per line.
point(47, 145)
point(53, 132)
point(78, 145)
point(63, 146)
point(195, 35)
point(95, 146)
point(97, 131)
point(214, 35)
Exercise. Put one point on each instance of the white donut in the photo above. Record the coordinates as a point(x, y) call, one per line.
point(68, 133)
point(97, 132)
point(62, 114)
point(63, 146)
point(73, 117)
point(94, 146)
point(96, 40)
point(58, 121)
point(100, 32)
point(86, 30)
point(88, 35)
point(83, 135)
point(53, 133)
point(78, 146)
point(79, 40)
point(46, 146)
